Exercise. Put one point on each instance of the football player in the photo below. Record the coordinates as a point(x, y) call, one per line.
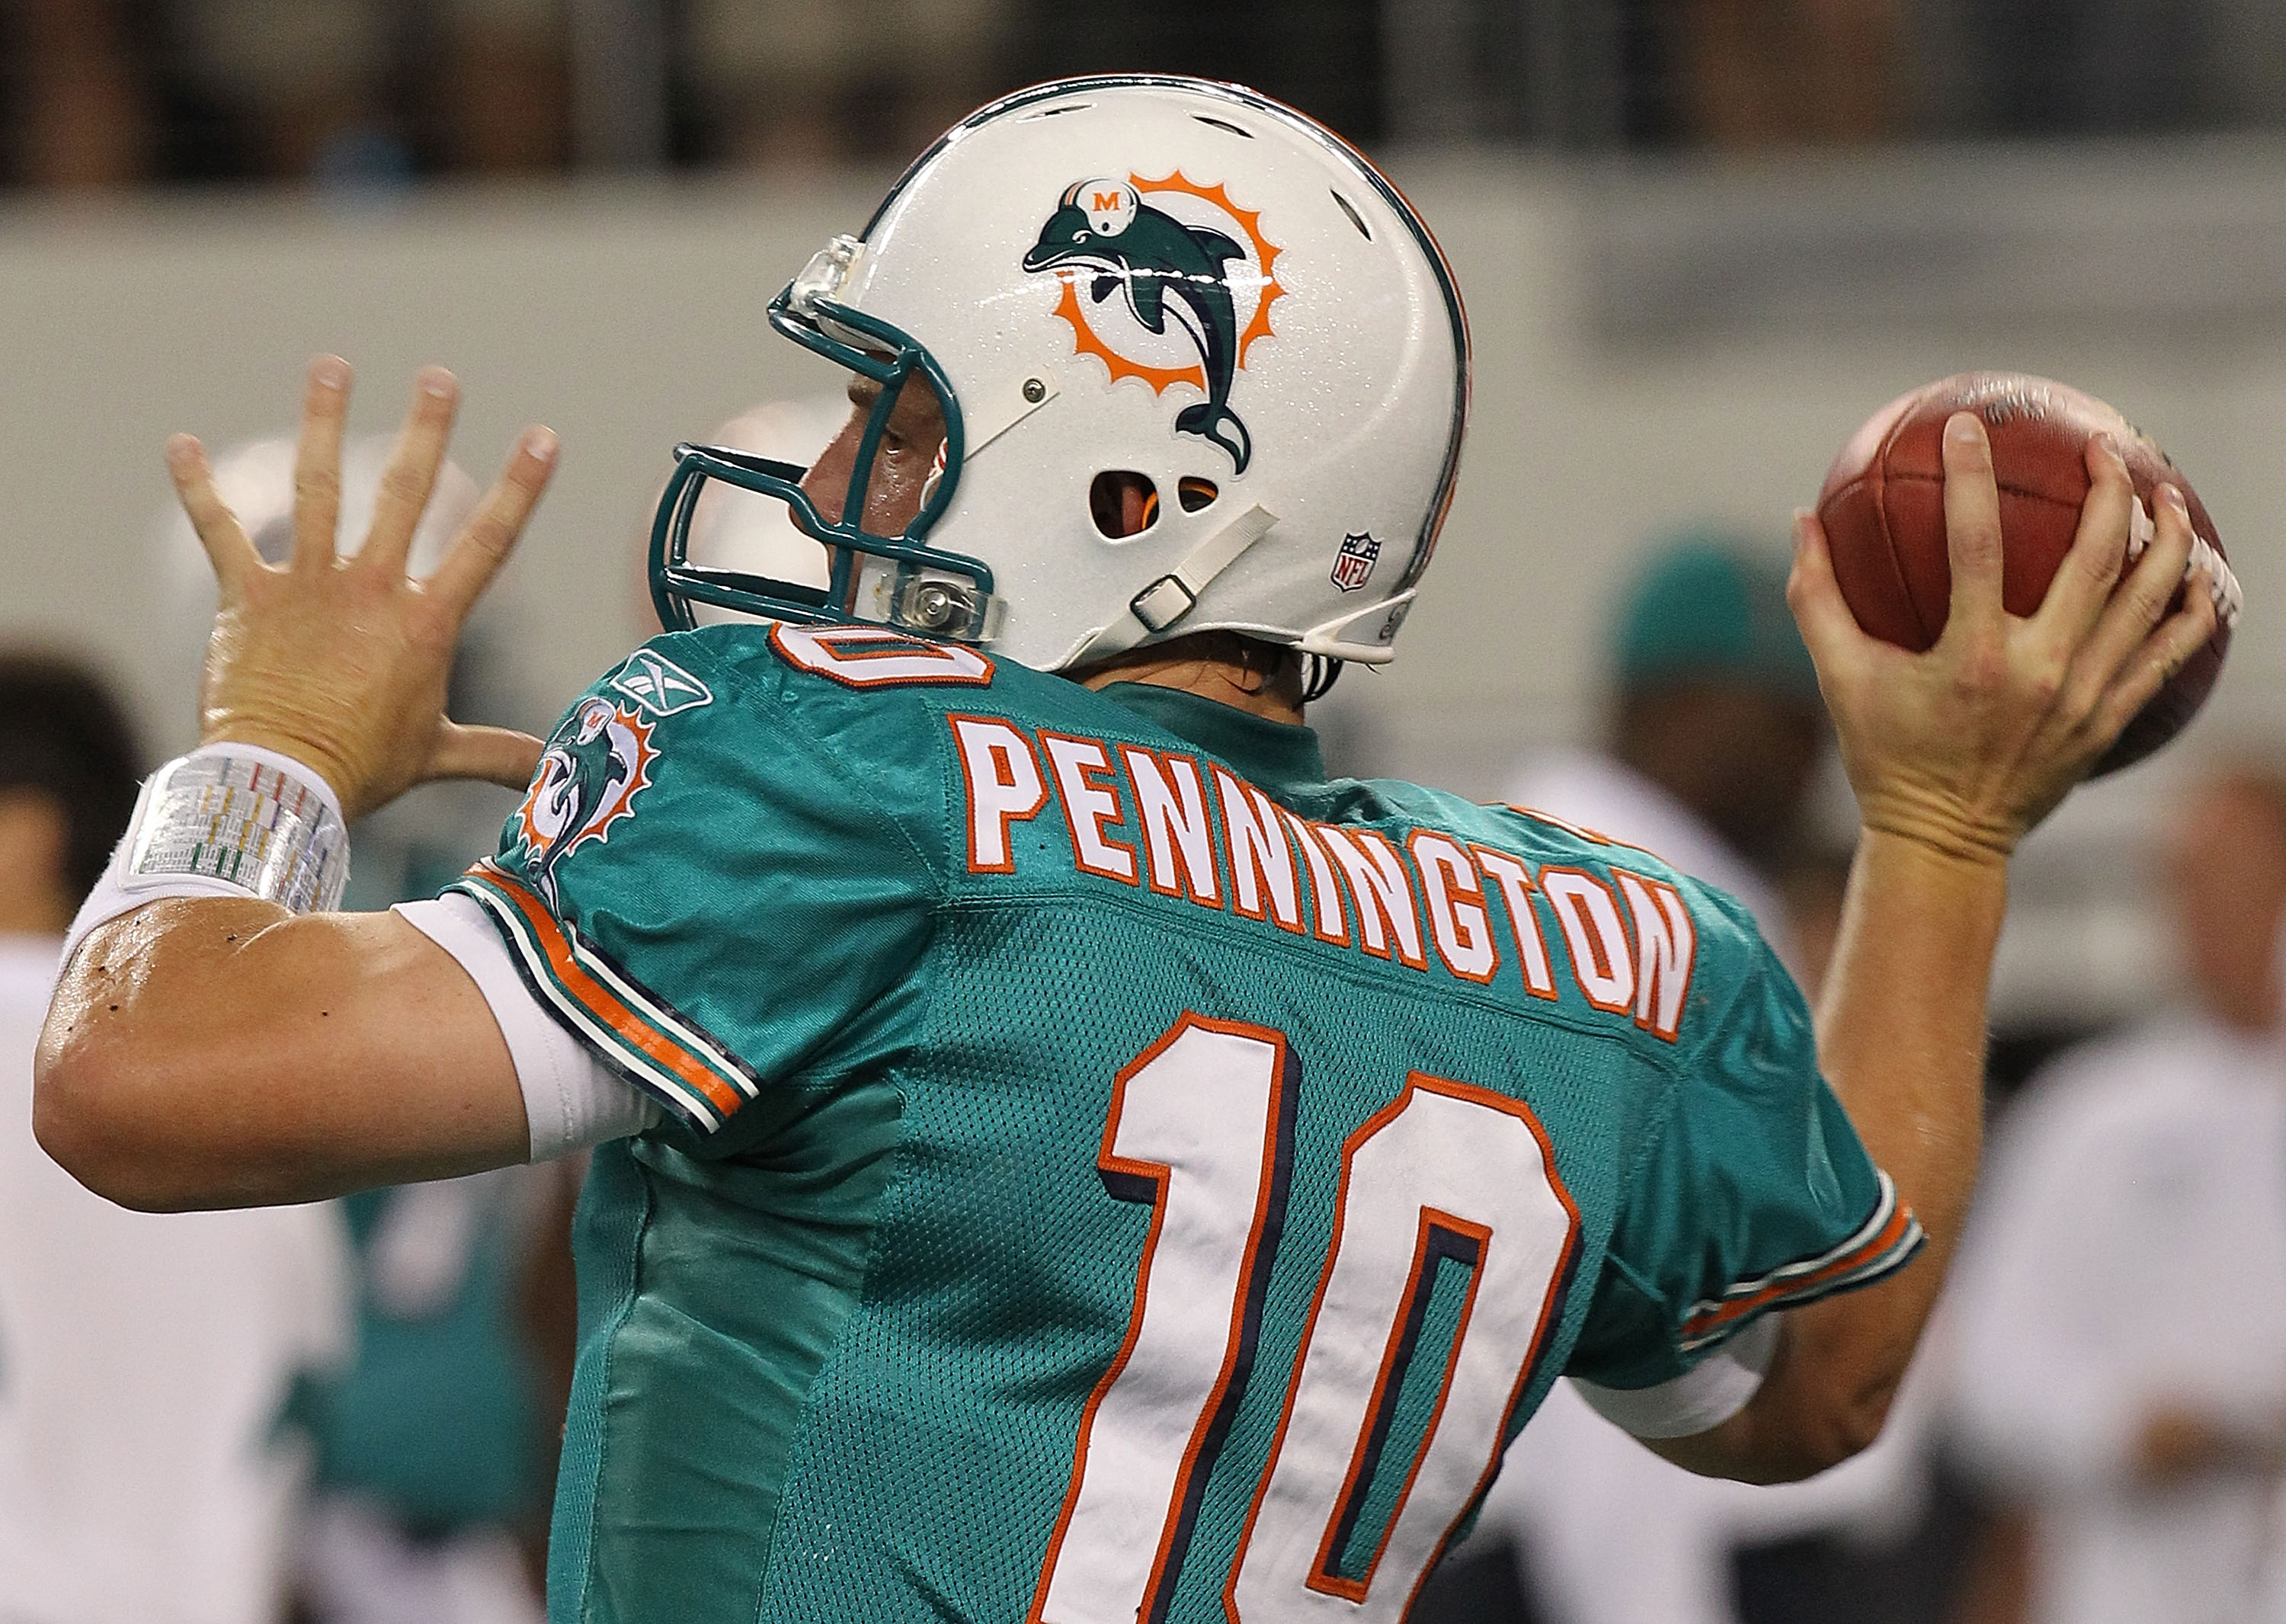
point(1060, 1155)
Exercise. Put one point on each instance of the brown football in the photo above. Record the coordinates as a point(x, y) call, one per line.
point(1883, 509)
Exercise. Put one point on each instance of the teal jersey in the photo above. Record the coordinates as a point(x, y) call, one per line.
point(1111, 1170)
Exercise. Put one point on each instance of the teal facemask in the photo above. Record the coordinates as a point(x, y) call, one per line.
point(875, 580)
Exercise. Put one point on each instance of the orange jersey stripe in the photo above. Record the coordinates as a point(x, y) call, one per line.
point(1901, 1220)
point(606, 1006)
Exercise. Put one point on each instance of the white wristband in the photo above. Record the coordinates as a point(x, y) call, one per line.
point(226, 820)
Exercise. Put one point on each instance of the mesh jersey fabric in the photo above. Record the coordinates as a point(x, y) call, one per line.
point(856, 1318)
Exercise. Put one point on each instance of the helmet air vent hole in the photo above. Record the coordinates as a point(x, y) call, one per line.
point(1123, 502)
point(1195, 492)
point(1364, 230)
point(1220, 124)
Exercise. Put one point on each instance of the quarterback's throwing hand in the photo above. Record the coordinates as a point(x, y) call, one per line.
point(1965, 747)
point(341, 663)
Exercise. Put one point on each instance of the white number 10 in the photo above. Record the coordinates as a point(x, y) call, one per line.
point(1201, 1129)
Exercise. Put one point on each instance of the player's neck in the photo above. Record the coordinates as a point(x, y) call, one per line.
point(1222, 680)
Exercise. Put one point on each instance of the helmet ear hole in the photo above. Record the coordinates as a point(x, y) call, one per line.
point(1196, 494)
point(1123, 503)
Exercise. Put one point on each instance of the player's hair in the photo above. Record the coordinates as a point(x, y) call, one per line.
point(65, 736)
point(1295, 676)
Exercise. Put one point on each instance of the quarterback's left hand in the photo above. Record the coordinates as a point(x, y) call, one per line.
point(341, 663)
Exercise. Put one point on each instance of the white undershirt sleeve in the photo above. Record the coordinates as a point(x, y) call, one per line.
point(1709, 1393)
point(571, 1098)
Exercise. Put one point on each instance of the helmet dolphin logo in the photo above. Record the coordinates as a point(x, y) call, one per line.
point(1104, 225)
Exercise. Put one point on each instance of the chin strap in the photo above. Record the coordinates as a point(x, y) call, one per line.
point(1170, 597)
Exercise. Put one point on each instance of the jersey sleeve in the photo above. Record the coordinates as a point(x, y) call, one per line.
point(700, 890)
point(1756, 1195)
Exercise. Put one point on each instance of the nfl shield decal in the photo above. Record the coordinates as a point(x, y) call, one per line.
point(598, 761)
point(1353, 565)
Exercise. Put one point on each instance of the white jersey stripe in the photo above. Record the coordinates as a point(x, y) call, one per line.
point(1883, 1209)
point(637, 1066)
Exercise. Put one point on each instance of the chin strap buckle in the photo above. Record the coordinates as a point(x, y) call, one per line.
point(1170, 597)
point(1163, 603)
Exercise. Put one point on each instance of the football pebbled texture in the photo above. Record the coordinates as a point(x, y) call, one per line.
point(1883, 509)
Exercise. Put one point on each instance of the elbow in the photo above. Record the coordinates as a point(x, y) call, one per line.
point(1837, 1371)
point(72, 1124)
point(1848, 1428)
point(85, 1117)
point(1842, 1420)
point(1790, 1430)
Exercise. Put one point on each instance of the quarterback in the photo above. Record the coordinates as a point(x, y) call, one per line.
point(1059, 1155)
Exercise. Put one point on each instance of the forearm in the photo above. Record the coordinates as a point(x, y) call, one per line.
point(1901, 1038)
point(214, 1053)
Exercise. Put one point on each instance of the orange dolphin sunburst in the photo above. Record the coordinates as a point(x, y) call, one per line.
point(1086, 341)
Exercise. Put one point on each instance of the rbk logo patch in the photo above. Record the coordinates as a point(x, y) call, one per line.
point(657, 684)
point(1194, 271)
point(596, 763)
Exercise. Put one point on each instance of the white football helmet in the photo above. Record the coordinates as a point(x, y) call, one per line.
point(1129, 275)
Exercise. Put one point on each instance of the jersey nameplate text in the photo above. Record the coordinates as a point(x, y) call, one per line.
point(1159, 820)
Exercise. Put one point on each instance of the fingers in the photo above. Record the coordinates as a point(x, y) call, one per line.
point(411, 474)
point(2163, 654)
point(2084, 580)
point(318, 462)
point(1972, 529)
point(228, 549)
point(484, 542)
point(1829, 628)
point(2143, 596)
point(497, 755)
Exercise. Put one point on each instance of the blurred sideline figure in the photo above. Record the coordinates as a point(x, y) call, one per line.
point(796, 86)
point(1714, 739)
point(437, 1445)
point(2121, 1293)
point(1715, 731)
point(147, 1361)
point(362, 92)
point(75, 105)
point(437, 1442)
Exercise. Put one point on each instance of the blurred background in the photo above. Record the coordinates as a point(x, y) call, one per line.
point(1701, 241)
